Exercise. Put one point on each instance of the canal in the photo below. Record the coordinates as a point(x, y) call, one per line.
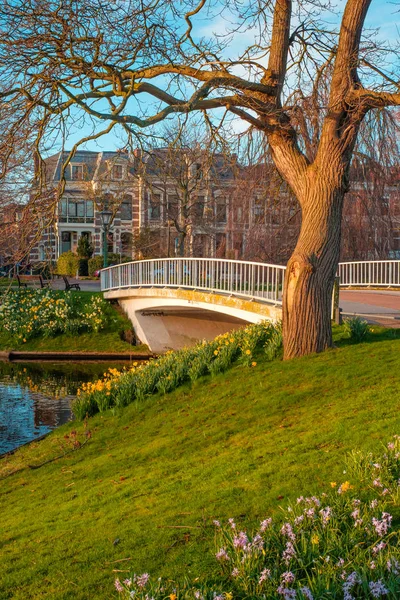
point(36, 397)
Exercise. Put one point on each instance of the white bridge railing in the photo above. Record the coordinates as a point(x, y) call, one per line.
point(385, 273)
point(241, 278)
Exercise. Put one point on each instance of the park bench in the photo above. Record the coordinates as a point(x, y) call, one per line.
point(35, 280)
point(70, 286)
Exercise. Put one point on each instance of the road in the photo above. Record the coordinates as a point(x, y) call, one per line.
point(377, 306)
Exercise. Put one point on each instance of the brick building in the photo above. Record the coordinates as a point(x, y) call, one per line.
point(187, 202)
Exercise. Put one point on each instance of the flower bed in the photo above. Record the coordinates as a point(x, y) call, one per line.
point(342, 545)
point(26, 314)
point(175, 368)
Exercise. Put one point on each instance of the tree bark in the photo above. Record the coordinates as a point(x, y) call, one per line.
point(311, 269)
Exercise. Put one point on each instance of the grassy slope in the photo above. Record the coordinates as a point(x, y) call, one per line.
point(238, 445)
point(107, 340)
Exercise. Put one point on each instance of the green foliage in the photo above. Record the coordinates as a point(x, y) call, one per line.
point(356, 328)
point(83, 268)
point(95, 264)
point(84, 248)
point(67, 264)
point(274, 344)
point(341, 544)
point(175, 368)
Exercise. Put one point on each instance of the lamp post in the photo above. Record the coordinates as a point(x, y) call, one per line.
point(106, 218)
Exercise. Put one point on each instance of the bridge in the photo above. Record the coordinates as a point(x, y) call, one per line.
point(174, 302)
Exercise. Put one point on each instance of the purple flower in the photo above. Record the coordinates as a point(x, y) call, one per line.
point(356, 502)
point(373, 503)
point(326, 514)
point(241, 540)
point(235, 572)
point(306, 593)
point(372, 565)
point(393, 566)
point(264, 525)
point(128, 582)
point(377, 589)
point(287, 593)
point(352, 580)
point(258, 542)
point(299, 520)
point(287, 577)
point(118, 586)
point(288, 553)
point(265, 574)
point(141, 580)
point(288, 531)
point(216, 523)
point(340, 562)
point(376, 549)
point(390, 446)
point(377, 482)
point(222, 555)
point(232, 523)
point(381, 526)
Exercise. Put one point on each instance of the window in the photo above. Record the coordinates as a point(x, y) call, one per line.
point(117, 172)
point(199, 208)
point(221, 211)
point(126, 243)
point(173, 207)
point(41, 253)
point(89, 209)
point(154, 208)
point(65, 241)
point(126, 209)
point(77, 172)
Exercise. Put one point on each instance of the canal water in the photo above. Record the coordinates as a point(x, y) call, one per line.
point(36, 397)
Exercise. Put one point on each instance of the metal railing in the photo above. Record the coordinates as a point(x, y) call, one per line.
point(385, 273)
point(239, 278)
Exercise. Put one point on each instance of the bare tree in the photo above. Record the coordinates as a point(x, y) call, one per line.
point(101, 59)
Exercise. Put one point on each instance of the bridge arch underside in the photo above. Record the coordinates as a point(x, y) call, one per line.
point(165, 318)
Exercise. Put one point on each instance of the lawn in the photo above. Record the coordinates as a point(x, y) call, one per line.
point(143, 490)
point(108, 339)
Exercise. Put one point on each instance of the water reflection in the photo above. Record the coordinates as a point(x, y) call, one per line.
point(35, 398)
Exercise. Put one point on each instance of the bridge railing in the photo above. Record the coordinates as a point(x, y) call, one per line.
point(370, 273)
point(241, 278)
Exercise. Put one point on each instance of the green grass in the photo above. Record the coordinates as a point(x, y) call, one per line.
point(154, 475)
point(106, 340)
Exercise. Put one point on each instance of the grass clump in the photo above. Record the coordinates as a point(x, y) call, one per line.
point(356, 328)
point(341, 544)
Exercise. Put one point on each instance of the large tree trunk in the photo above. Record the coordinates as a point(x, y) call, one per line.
point(311, 271)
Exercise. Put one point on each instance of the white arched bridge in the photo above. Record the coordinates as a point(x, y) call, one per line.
point(173, 302)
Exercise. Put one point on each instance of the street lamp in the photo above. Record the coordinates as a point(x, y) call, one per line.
point(106, 218)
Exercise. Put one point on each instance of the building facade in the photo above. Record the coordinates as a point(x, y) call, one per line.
point(186, 202)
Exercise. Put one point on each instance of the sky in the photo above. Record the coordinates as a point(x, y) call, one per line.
point(383, 14)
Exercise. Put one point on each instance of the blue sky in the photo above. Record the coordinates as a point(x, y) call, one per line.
point(383, 14)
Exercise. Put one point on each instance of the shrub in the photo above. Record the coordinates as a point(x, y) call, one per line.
point(356, 328)
point(274, 344)
point(83, 267)
point(340, 545)
point(95, 264)
point(67, 264)
point(84, 248)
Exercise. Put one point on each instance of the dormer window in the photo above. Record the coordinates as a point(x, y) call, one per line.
point(77, 172)
point(117, 172)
